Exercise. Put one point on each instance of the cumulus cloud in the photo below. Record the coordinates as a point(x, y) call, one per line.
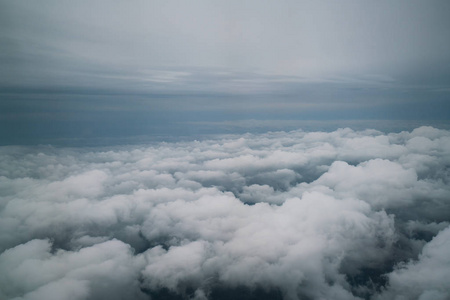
point(294, 215)
point(103, 271)
point(426, 278)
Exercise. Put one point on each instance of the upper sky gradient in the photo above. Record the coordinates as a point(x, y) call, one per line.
point(82, 69)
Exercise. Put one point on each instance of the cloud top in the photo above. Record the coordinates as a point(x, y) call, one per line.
point(302, 215)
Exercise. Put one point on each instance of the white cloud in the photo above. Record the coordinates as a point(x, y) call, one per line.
point(105, 270)
point(326, 215)
point(426, 278)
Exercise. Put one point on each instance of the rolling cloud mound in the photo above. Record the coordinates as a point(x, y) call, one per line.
point(285, 215)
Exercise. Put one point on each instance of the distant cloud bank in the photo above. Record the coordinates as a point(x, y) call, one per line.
point(297, 215)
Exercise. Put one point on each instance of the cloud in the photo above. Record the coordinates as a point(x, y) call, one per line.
point(156, 66)
point(105, 270)
point(426, 277)
point(308, 215)
point(286, 38)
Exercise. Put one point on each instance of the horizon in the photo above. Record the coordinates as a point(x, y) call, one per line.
point(81, 70)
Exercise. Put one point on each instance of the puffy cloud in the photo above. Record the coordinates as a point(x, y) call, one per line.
point(366, 180)
point(105, 270)
point(298, 244)
point(309, 215)
point(426, 278)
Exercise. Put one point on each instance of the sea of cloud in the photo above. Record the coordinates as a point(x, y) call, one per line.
point(294, 215)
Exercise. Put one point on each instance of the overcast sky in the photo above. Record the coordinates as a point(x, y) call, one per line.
point(83, 69)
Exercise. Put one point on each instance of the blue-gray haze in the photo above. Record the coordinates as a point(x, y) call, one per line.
point(72, 70)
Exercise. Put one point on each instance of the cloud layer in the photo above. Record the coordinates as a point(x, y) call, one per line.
point(295, 215)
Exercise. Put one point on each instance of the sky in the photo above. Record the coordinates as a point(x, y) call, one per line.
point(80, 70)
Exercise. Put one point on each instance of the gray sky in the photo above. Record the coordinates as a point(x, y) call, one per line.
point(77, 68)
